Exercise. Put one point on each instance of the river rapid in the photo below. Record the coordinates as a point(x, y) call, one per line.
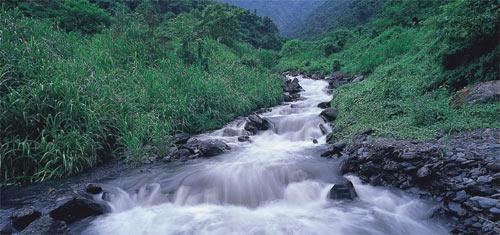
point(275, 184)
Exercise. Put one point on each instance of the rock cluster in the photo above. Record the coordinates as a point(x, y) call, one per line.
point(291, 89)
point(461, 172)
point(194, 148)
point(29, 220)
point(338, 79)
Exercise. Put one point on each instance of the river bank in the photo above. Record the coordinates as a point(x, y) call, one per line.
point(246, 188)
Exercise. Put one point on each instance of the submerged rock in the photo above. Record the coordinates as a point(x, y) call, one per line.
point(343, 191)
point(243, 138)
point(335, 149)
point(324, 105)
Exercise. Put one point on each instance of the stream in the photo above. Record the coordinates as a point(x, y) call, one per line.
point(275, 184)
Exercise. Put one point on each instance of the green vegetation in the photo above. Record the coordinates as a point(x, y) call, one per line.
point(82, 82)
point(414, 55)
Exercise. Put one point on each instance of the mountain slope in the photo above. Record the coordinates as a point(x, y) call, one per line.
point(286, 14)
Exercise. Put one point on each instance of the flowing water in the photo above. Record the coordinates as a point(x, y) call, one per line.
point(275, 184)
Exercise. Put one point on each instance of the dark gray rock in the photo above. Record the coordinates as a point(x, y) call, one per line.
point(324, 105)
point(255, 123)
point(335, 149)
point(329, 114)
point(23, 217)
point(456, 208)
point(230, 132)
point(292, 86)
point(358, 78)
point(46, 225)
point(78, 208)
point(287, 97)
point(343, 191)
point(93, 188)
point(180, 138)
point(484, 202)
point(211, 148)
point(484, 92)
point(243, 138)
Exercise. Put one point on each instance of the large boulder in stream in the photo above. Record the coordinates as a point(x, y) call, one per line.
point(204, 148)
point(46, 225)
point(324, 105)
point(329, 114)
point(343, 190)
point(292, 86)
point(78, 208)
point(21, 218)
point(255, 123)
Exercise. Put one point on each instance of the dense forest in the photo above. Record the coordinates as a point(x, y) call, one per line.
point(418, 58)
point(82, 81)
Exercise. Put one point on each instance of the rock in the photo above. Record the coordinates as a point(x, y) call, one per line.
point(210, 148)
point(292, 86)
point(93, 188)
point(337, 76)
point(456, 208)
point(182, 153)
point(243, 138)
point(343, 191)
point(335, 149)
point(46, 225)
point(479, 190)
point(324, 105)
point(287, 97)
point(180, 138)
point(336, 83)
point(460, 196)
point(78, 208)
point(329, 114)
point(315, 141)
point(317, 76)
point(483, 202)
point(423, 173)
point(255, 123)
point(23, 217)
point(484, 92)
point(323, 128)
point(358, 78)
point(230, 132)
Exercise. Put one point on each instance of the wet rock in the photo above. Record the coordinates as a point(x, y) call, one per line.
point(483, 202)
point(479, 190)
point(324, 105)
point(335, 149)
point(211, 148)
point(230, 132)
point(78, 208)
point(243, 138)
point(315, 141)
point(93, 188)
point(23, 217)
point(423, 174)
point(456, 209)
point(292, 86)
point(338, 75)
point(343, 191)
point(180, 138)
point(287, 97)
point(484, 92)
point(46, 225)
point(255, 123)
point(323, 129)
point(317, 76)
point(329, 114)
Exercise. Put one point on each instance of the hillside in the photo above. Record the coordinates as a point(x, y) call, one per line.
point(287, 14)
point(335, 14)
point(419, 61)
point(84, 82)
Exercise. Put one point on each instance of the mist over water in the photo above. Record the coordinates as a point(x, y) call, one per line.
point(275, 184)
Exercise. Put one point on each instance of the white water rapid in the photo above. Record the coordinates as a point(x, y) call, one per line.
point(275, 184)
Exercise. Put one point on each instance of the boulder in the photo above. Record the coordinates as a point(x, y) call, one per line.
point(335, 149)
point(93, 188)
point(292, 86)
point(343, 191)
point(324, 105)
point(23, 217)
point(78, 208)
point(180, 138)
point(287, 97)
point(230, 132)
point(317, 76)
point(243, 138)
point(329, 114)
point(210, 148)
point(46, 225)
point(484, 92)
point(255, 123)
point(483, 202)
point(338, 76)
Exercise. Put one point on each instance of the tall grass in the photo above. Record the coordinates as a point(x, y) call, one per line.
point(70, 101)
